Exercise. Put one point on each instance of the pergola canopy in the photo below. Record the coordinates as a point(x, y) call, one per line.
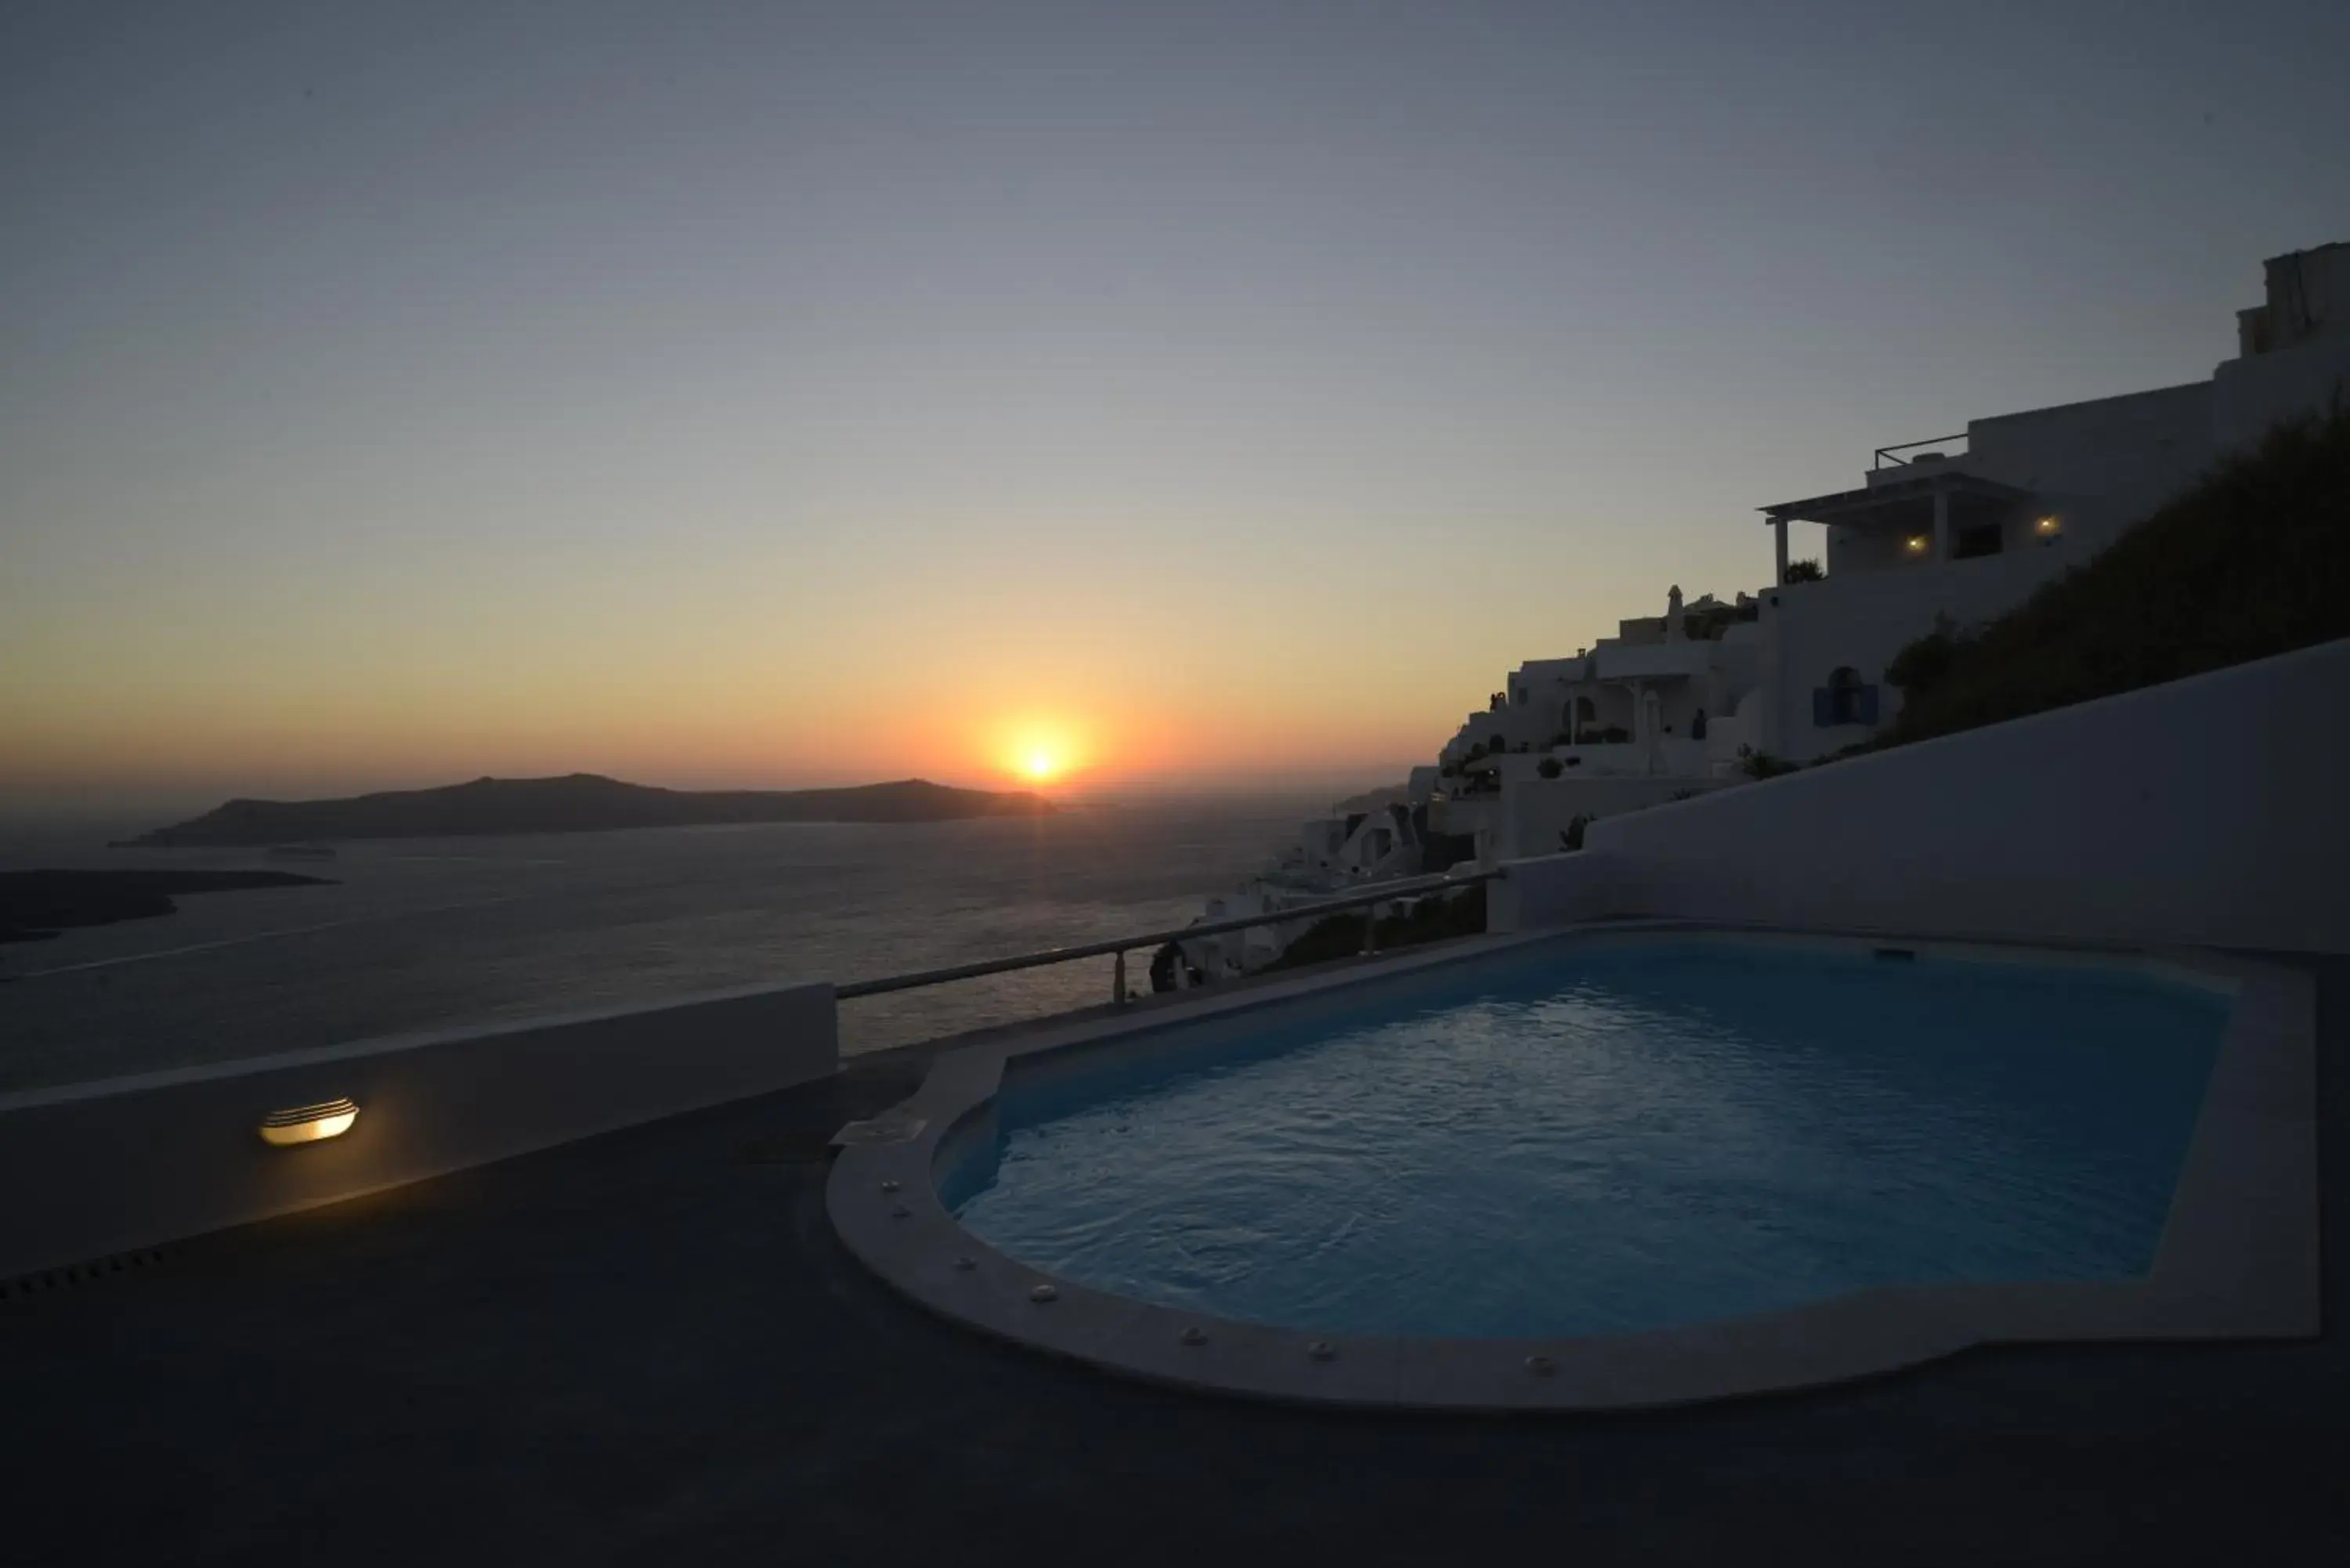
point(1905, 505)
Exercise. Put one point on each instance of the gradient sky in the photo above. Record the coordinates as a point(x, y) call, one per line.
point(764, 393)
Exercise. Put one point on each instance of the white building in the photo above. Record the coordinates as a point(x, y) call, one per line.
point(1640, 718)
point(1646, 703)
point(1968, 526)
point(1962, 528)
point(1331, 855)
point(1959, 529)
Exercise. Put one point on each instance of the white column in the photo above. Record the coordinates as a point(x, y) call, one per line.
point(1942, 526)
point(1779, 541)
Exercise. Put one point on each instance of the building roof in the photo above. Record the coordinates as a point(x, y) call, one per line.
point(1907, 504)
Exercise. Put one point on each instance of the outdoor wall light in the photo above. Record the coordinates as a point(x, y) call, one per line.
point(1917, 545)
point(309, 1124)
point(2048, 527)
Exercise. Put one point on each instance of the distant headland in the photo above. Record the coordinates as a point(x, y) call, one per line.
point(34, 905)
point(577, 803)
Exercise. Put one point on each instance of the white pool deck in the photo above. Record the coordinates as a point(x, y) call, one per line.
point(2237, 1259)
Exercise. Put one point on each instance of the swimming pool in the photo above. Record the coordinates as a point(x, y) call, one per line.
point(1614, 1168)
point(1615, 1139)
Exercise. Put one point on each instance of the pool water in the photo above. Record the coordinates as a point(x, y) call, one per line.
point(1588, 1138)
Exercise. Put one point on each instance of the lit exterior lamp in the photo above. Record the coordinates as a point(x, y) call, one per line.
point(2048, 527)
point(309, 1124)
point(1915, 544)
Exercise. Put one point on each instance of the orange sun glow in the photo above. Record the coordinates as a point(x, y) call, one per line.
point(1041, 751)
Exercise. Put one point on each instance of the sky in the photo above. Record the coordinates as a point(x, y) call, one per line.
point(1200, 393)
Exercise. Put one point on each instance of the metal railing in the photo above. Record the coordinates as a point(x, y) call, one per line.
point(1885, 454)
point(1372, 893)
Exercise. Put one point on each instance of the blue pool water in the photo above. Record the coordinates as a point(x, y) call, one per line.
point(1587, 1140)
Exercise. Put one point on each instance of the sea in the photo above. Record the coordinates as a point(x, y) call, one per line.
point(418, 934)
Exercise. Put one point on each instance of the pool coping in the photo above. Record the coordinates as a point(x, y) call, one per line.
point(2237, 1259)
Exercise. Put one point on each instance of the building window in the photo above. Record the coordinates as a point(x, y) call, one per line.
point(1845, 700)
point(1981, 540)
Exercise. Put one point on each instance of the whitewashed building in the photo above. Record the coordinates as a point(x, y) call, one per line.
point(1958, 529)
point(1638, 719)
point(1967, 526)
point(1332, 854)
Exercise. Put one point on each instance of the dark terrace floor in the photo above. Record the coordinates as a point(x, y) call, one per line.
point(648, 1348)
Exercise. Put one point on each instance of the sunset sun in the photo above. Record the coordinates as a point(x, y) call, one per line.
point(1041, 749)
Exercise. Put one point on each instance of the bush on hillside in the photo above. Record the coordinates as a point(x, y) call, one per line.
point(1924, 664)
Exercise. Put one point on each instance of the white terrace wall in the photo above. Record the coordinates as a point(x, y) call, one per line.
point(2209, 812)
point(1552, 890)
point(96, 1168)
point(1534, 812)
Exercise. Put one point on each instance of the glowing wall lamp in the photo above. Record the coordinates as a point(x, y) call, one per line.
point(309, 1124)
point(1916, 545)
point(2048, 527)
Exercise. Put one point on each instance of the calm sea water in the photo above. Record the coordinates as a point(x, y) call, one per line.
point(427, 933)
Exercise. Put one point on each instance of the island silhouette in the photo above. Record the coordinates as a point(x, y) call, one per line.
point(37, 905)
point(576, 803)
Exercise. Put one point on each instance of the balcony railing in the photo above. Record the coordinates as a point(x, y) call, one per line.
point(1892, 454)
point(1372, 893)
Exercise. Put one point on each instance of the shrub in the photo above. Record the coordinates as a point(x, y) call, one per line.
point(1550, 767)
point(1571, 838)
point(1926, 663)
point(1757, 764)
point(1805, 572)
